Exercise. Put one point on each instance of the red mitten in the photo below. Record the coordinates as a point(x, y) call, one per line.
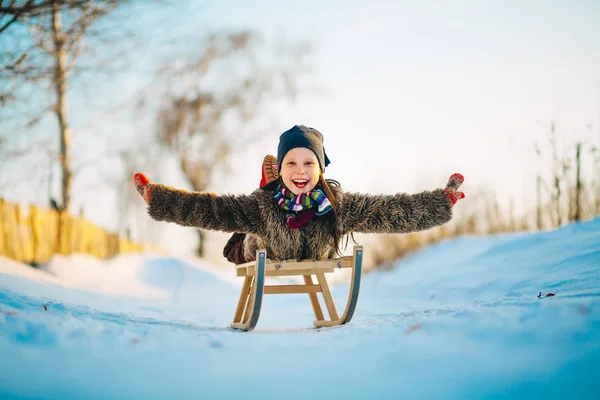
point(143, 186)
point(452, 188)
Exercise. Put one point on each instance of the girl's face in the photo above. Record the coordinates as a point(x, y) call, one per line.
point(300, 170)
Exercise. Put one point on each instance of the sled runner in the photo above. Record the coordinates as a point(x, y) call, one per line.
point(254, 272)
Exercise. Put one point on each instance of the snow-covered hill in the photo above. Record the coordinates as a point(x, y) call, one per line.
point(458, 320)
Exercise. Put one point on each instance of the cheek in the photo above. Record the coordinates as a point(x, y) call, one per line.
point(313, 180)
point(287, 174)
point(315, 175)
point(284, 173)
point(286, 180)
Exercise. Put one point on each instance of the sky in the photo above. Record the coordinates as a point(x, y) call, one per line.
point(408, 92)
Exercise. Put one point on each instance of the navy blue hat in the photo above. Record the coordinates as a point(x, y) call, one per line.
point(302, 136)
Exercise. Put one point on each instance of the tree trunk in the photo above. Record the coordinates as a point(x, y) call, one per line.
point(200, 248)
point(61, 110)
point(62, 106)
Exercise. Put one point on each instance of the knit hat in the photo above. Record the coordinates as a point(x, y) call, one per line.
point(302, 136)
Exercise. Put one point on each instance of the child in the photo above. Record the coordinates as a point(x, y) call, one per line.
point(300, 215)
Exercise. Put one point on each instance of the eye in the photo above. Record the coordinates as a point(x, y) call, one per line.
point(291, 163)
point(310, 163)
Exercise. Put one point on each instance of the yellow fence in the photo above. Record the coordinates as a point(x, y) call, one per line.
point(32, 235)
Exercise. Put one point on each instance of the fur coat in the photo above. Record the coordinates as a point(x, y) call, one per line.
point(264, 222)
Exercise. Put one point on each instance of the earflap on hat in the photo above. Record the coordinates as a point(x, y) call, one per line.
point(327, 162)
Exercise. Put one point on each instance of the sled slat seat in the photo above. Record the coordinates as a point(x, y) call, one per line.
point(254, 272)
point(288, 289)
point(294, 267)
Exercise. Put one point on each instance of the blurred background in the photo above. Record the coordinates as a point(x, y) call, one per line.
point(195, 93)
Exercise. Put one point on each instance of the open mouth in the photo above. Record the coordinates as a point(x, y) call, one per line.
point(300, 183)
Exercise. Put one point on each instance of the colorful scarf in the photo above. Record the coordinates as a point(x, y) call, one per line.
point(294, 204)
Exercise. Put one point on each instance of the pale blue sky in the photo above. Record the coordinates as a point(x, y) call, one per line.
point(417, 90)
point(412, 91)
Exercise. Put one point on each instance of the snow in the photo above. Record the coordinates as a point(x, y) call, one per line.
point(457, 320)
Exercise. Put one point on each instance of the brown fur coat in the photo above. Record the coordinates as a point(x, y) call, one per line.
point(262, 220)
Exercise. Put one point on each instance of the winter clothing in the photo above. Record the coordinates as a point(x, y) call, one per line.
point(452, 188)
point(301, 219)
point(143, 186)
point(260, 217)
point(302, 136)
point(315, 200)
point(297, 227)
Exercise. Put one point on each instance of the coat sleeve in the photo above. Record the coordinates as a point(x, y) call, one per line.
point(205, 210)
point(398, 213)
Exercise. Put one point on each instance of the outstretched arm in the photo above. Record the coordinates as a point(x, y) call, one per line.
point(227, 213)
point(400, 213)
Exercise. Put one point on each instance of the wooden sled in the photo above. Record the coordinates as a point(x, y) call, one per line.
point(248, 307)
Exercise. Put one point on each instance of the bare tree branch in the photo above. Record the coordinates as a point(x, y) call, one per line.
point(15, 16)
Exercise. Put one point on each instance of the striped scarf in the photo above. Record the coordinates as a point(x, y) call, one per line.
point(292, 203)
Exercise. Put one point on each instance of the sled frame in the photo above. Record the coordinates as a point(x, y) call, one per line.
point(249, 304)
